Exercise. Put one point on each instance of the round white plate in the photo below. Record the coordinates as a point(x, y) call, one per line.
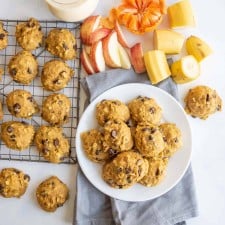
point(172, 112)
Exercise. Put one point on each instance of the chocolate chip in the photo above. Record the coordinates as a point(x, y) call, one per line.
point(150, 138)
point(39, 28)
point(16, 107)
point(119, 170)
point(59, 204)
point(30, 24)
point(75, 47)
point(127, 170)
point(62, 72)
point(175, 140)
point(113, 133)
point(56, 81)
point(45, 150)
point(165, 139)
point(65, 46)
point(16, 171)
point(153, 130)
point(152, 110)
point(13, 71)
point(10, 129)
point(29, 70)
point(44, 141)
point(23, 122)
point(145, 129)
point(120, 186)
point(129, 180)
point(157, 172)
point(56, 142)
point(26, 177)
point(2, 36)
point(65, 117)
point(97, 152)
point(31, 99)
point(12, 136)
point(207, 97)
point(112, 152)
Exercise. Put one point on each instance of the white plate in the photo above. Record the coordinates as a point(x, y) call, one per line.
point(172, 112)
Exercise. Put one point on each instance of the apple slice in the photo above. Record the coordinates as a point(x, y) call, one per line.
point(124, 58)
point(110, 50)
point(87, 49)
point(86, 63)
point(88, 26)
point(97, 58)
point(98, 34)
point(121, 38)
point(137, 59)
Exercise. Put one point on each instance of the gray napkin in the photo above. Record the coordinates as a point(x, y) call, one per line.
point(95, 208)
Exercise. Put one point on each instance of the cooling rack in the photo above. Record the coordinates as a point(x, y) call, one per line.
point(39, 94)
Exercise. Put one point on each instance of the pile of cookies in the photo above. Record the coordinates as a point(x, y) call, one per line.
point(132, 142)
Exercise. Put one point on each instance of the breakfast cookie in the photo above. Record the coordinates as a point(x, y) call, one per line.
point(202, 101)
point(3, 37)
point(29, 35)
point(172, 138)
point(23, 67)
point(56, 109)
point(21, 103)
point(110, 110)
point(144, 109)
point(125, 169)
point(117, 136)
point(149, 140)
point(92, 142)
point(13, 183)
point(17, 135)
point(156, 172)
point(52, 144)
point(56, 74)
point(61, 43)
point(51, 194)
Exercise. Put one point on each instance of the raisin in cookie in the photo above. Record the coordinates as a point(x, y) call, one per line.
point(3, 37)
point(23, 67)
point(56, 109)
point(125, 169)
point(51, 143)
point(110, 110)
point(29, 35)
point(56, 74)
point(61, 43)
point(21, 104)
point(51, 194)
point(13, 183)
point(202, 101)
point(17, 135)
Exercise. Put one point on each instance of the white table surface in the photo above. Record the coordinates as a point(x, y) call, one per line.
point(208, 157)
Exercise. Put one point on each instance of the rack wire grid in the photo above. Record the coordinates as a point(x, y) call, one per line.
point(72, 90)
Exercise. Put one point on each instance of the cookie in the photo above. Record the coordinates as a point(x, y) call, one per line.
point(3, 37)
point(56, 74)
point(29, 35)
point(21, 104)
point(51, 194)
point(92, 142)
point(156, 172)
point(56, 109)
point(202, 101)
point(61, 43)
point(110, 110)
point(13, 183)
point(144, 109)
point(125, 169)
point(17, 135)
point(23, 67)
point(52, 144)
point(149, 140)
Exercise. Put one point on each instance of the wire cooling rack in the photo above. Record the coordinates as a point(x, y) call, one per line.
point(72, 90)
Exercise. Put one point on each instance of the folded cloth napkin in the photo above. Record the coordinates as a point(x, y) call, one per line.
point(92, 207)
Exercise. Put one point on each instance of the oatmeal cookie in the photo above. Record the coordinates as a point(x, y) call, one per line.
point(3, 37)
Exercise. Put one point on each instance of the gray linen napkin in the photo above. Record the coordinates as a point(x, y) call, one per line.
point(95, 208)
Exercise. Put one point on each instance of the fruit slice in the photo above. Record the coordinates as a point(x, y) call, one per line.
point(169, 41)
point(137, 58)
point(180, 14)
point(124, 58)
point(86, 63)
point(156, 65)
point(121, 38)
point(98, 34)
point(198, 48)
point(185, 70)
point(110, 50)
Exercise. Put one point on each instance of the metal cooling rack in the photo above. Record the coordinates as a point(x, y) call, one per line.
point(72, 90)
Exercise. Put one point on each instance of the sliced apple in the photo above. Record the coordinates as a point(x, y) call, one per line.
point(87, 49)
point(124, 58)
point(121, 38)
point(110, 50)
point(137, 58)
point(86, 63)
point(99, 34)
point(97, 58)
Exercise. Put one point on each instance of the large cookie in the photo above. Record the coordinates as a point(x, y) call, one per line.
point(3, 37)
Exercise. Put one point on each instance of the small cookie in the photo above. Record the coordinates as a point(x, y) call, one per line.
point(13, 183)
point(144, 109)
point(125, 169)
point(17, 135)
point(202, 101)
point(21, 104)
point(29, 35)
point(3, 37)
point(56, 109)
point(56, 74)
point(61, 43)
point(156, 172)
point(149, 140)
point(52, 144)
point(110, 110)
point(51, 194)
point(23, 67)
point(92, 142)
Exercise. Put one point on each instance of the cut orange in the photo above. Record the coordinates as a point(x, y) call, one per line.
point(139, 16)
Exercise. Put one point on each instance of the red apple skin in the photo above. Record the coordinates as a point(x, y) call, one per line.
point(85, 61)
point(121, 38)
point(98, 35)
